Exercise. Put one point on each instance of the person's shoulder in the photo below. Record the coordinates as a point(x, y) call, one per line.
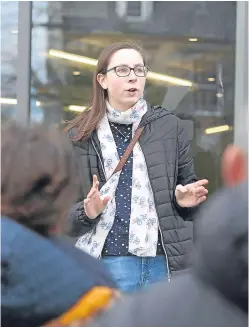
point(163, 115)
point(161, 111)
point(74, 139)
point(96, 268)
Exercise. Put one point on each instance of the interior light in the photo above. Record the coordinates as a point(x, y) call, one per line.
point(73, 57)
point(14, 31)
point(8, 101)
point(14, 101)
point(211, 79)
point(77, 108)
point(193, 39)
point(76, 73)
point(169, 79)
point(218, 129)
point(93, 62)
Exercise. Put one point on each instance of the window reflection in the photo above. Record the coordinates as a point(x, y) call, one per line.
point(191, 50)
point(9, 49)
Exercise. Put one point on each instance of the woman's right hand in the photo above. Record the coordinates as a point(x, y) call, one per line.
point(94, 204)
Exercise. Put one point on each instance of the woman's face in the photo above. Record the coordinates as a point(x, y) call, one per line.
point(124, 91)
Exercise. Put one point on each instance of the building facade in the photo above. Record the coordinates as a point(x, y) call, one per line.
point(197, 56)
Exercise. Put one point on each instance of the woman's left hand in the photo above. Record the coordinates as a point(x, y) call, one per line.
point(191, 195)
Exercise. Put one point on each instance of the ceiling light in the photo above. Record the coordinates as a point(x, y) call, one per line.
point(218, 129)
point(8, 101)
point(14, 32)
point(14, 101)
point(193, 39)
point(211, 79)
point(77, 108)
point(169, 79)
point(76, 73)
point(73, 57)
point(219, 95)
point(93, 62)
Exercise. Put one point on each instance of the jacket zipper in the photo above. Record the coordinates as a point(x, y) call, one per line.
point(102, 165)
point(159, 227)
point(167, 261)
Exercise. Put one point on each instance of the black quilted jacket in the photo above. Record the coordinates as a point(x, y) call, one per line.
point(167, 154)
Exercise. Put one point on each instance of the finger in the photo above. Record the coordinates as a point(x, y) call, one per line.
point(201, 199)
point(86, 201)
point(199, 195)
point(201, 191)
point(95, 181)
point(181, 188)
point(106, 200)
point(92, 192)
point(96, 196)
point(201, 182)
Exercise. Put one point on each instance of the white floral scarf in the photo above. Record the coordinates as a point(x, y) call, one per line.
point(143, 231)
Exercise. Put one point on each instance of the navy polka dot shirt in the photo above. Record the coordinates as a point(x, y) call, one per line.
point(117, 241)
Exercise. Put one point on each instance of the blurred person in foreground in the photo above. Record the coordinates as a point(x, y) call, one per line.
point(214, 293)
point(42, 276)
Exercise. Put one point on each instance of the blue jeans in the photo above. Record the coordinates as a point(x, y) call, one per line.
point(132, 273)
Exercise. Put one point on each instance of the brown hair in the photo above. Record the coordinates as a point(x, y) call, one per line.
point(88, 120)
point(38, 182)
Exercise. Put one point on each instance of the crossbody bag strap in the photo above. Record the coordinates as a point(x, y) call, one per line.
point(129, 149)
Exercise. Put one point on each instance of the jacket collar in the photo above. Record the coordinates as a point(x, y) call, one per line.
point(153, 113)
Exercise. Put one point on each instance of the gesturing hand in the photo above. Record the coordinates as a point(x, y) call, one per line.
point(94, 204)
point(192, 194)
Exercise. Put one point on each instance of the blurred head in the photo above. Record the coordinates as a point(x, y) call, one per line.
point(222, 230)
point(38, 182)
point(119, 78)
point(235, 158)
point(234, 166)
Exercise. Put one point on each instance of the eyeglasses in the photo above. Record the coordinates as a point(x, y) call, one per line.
point(123, 71)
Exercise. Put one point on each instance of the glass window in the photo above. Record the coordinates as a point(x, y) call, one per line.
point(9, 50)
point(134, 8)
point(191, 55)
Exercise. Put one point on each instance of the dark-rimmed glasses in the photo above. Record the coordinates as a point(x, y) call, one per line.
point(123, 71)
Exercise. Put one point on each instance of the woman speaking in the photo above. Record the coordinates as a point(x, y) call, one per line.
point(137, 176)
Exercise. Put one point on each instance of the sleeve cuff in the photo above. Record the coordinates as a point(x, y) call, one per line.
point(184, 212)
point(83, 217)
